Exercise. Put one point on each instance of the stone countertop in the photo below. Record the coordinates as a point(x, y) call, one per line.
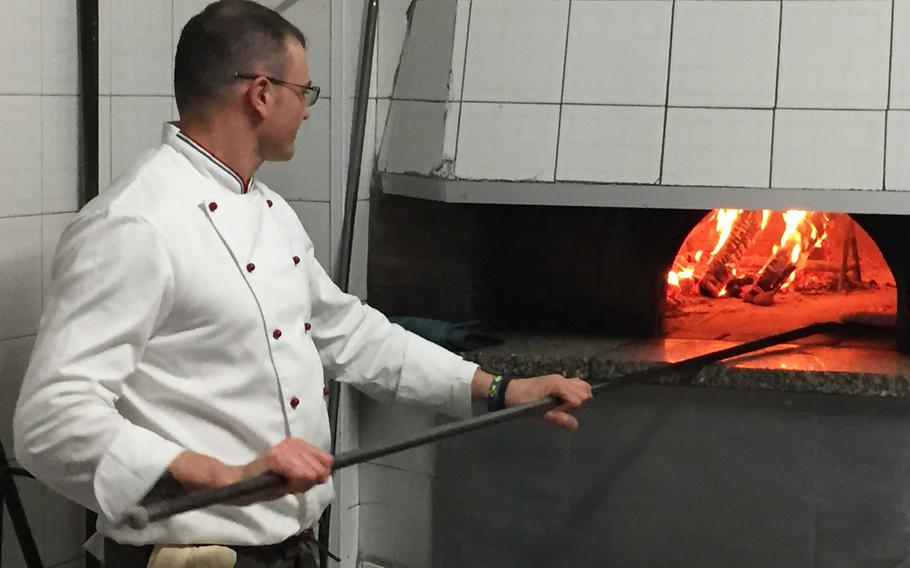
point(821, 364)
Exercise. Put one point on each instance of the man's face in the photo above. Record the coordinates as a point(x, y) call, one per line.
point(289, 108)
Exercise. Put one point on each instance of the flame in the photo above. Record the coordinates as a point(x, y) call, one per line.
point(803, 231)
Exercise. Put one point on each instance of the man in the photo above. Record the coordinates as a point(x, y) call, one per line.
point(189, 323)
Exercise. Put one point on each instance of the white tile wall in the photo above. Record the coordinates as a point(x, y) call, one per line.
point(60, 146)
point(136, 126)
point(835, 54)
point(459, 47)
point(20, 257)
point(104, 142)
point(14, 355)
point(503, 141)
point(392, 27)
point(313, 18)
point(104, 46)
point(405, 497)
point(618, 52)
point(413, 137)
point(20, 154)
point(724, 53)
point(426, 59)
point(610, 144)
point(507, 141)
point(516, 50)
point(316, 219)
point(140, 47)
point(717, 147)
point(897, 165)
point(59, 48)
point(828, 149)
point(20, 38)
point(306, 176)
point(900, 56)
point(52, 227)
point(450, 141)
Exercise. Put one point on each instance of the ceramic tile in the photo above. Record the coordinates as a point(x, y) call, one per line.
point(610, 144)
point(900, 56)
point(382, 424)
point(51, 230)
point(14, 358)
point(316, 219)
point(60, 145)
point(724, 53)
point(459, 47)
point(104, 143)
point(897, 167)
point(140, 45)
point(358, 275)
point(313, 18)
point(499, 58)
point(20, 154)
point(835, 54)
point(828, 149)
point(426, 59)
point(507, 141)
point(20, 277)
point(307, 175)
point(59, 48)
point(136, 124)
point(104, 47)
point(618, 52)
point(395, 506)
point(721, 147)
point(65, 530)
point(413, 137)
point(20, 26)
point(391, 30)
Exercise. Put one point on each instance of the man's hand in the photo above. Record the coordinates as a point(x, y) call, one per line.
point(572, 392)
point(302, 464)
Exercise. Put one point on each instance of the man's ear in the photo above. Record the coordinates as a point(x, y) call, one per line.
point(259, 96)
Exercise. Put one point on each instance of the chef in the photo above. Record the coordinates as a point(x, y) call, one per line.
point(189, 325)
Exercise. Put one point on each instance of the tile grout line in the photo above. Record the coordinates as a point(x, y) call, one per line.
point(562, 92)
point(663, 143)
point(464, 74)
point(888, 103)
point(780, 32)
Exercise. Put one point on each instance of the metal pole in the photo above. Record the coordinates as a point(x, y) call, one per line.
point(355, 159)
point(140, 516)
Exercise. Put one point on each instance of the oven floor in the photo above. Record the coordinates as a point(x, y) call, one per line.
point(735, 320)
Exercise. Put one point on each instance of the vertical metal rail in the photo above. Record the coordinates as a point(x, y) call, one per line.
point(355, 159)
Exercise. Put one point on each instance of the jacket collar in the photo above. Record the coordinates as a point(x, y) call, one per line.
point(204, 160)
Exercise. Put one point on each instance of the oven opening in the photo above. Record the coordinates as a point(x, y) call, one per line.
point(741, 275)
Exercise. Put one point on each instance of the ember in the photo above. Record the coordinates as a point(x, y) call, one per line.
point(756, 255)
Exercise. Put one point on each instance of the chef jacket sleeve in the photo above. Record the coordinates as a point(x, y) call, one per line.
point(358, 345)
point(112, 284)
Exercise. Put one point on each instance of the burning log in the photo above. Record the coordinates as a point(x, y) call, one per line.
point(797, 242)
point(719, 272)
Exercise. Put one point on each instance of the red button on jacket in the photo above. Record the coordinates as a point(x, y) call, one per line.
point(276, 334)
point(307, 326)
point(269, 202)
point(295, 402)
point(250, 267)
point(213, 206)
point(296, 260)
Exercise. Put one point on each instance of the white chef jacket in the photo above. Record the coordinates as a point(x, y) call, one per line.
point(188, 312)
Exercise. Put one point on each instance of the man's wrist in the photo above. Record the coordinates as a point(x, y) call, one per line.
point(496, 396)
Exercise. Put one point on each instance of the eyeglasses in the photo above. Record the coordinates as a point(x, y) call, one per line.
point(309, 94)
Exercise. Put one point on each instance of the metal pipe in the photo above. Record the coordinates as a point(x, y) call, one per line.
point(87, 18)
point(355, 160)
point(140, 516)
